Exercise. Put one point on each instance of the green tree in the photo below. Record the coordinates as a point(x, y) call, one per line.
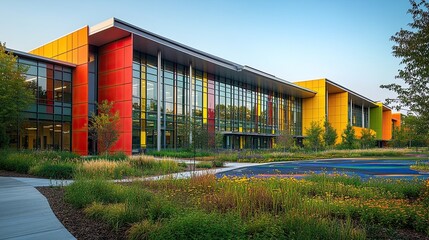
point(313, 138)
point(218, 140)
point(200, 136)
point(349, 138)
point(285, 140)
point(416, 130)
point(104, 126)
point(15, 94)
point(367, 139)
point(329, 135)
point(412, 47)
point(400, 137)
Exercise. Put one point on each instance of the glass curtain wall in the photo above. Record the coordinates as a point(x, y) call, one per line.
point(252, 114)
point(46, 124)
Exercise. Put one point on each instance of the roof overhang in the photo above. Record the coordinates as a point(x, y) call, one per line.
point(39, 58)
point(150, 43)
point(356, 98)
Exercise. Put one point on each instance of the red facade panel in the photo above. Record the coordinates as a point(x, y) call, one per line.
point(115, 84)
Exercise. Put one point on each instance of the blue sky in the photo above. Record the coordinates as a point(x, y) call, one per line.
point(346, 41)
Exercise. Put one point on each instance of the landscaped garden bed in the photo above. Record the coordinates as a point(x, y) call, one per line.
point(319, 207)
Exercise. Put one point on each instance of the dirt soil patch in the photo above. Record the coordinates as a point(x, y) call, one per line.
point(75, 220)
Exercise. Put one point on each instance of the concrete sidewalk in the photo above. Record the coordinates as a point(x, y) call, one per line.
point(182, 175)
point(25, 213)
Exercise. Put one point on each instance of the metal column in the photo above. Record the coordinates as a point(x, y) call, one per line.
point(158, 110)
point(190, 103)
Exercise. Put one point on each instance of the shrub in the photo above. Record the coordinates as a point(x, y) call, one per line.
point(18, 162)
point(299, 226)
point(142, 230)
point(180, 153)
point(107, 169)
point(218, 163)
point(264, 226)
point(182, 164)
point(199, 225)
point(204, 165)
point(160, 209)
point(117, 156)
point(84, 192)
point(151, 166)
point(54, 155)
point(116, 214)
point(52, 170)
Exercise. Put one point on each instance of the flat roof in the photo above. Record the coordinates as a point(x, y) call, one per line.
point(150, 43)
point(39, 58)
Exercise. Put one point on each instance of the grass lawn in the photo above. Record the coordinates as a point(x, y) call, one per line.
point(319, 207)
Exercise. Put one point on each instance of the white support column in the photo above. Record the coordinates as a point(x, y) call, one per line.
point(363, 117)
point(158, 110)
point(369, 117)
point(191, 100)
point(351, 112)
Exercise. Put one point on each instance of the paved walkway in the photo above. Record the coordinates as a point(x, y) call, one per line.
point(182, 175)
point(25, 213)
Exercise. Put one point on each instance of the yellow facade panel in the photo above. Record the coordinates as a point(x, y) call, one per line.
point(62, 44)
point(74, 40)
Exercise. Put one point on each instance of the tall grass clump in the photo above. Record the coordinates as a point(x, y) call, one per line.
point(151, 166)
point(17, 161)
point(180, 153)
point(199, 225)
point(54, 170)
point(107, 169)
point(84, 192)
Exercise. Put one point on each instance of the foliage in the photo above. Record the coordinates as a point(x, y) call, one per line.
point(415, 128)
point(53, 170)
point(180, 153)
point(84, 192)
point(411, 46)
point(104, 126)
point(200, 136)
point(204, 165)
point(313, 138)
point(218, 140)
point(349, 138)
point(420, 166)
point(400, 137)
point(367, 139)
point(18, 162)
point(329, 135)
point(13, 84)
point(285, 140)
point(203, 207)
point(200, 225)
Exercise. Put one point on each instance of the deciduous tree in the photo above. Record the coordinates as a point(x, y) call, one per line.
point(412, 47)
point(349, 138)
point(314, 139)
point(329, 135)
point(104, 126)
point(367, 139)
point(15, 94)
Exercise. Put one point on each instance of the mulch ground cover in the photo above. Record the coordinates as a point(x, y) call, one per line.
point(75, 220)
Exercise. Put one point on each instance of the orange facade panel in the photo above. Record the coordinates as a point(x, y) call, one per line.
point(387, 125)
point(397, 119)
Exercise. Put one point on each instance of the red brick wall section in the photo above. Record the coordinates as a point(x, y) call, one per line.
point(115, 84)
